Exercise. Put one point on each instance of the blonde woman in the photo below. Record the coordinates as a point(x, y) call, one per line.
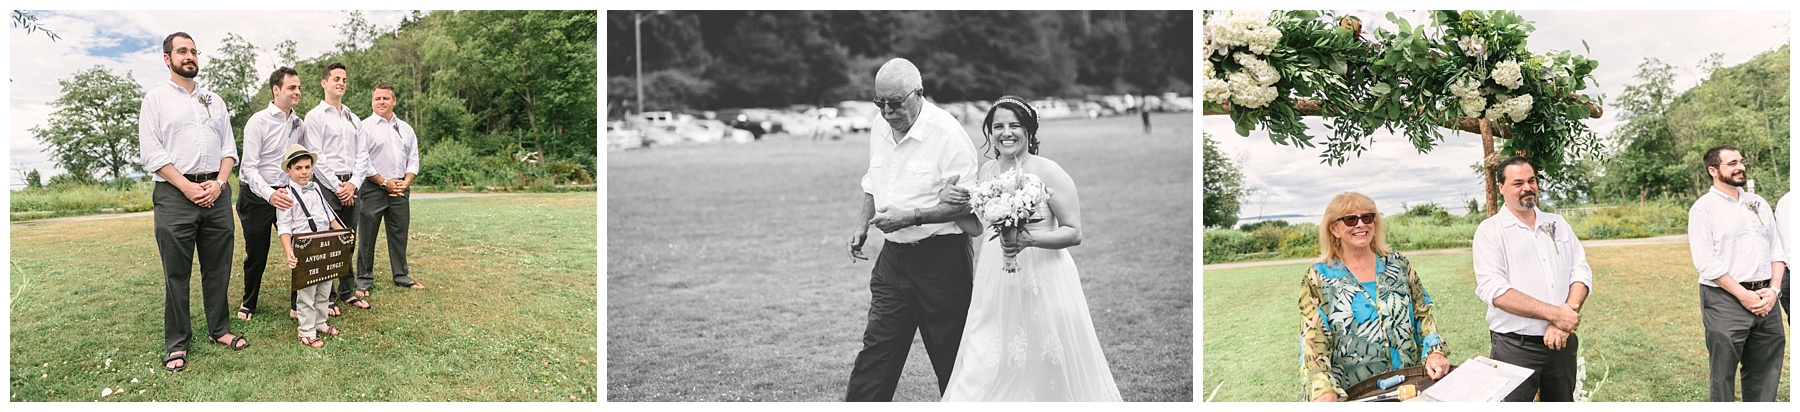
point(1362, 309)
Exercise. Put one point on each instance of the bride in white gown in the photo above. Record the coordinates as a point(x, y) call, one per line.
point(1029, 336)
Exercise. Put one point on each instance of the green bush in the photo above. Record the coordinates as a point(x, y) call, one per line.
point(451, 164)
point(1224, 245)
point(1301, 241)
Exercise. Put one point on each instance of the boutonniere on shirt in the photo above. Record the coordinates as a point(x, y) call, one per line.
point(1754, 206)
point(293, 124)
point(1549, 229)
point(205, 100)
point(351, 118)
point(396, 129)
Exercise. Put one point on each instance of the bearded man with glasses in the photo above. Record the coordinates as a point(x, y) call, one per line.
point(1740, 256)
point(1533, 274)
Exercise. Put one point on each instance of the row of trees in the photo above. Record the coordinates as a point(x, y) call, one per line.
point(484, 89)
point(721, 59)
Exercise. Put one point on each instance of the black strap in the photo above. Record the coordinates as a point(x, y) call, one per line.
point(302, 204)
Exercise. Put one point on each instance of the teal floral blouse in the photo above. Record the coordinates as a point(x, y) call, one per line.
point(1350, 334)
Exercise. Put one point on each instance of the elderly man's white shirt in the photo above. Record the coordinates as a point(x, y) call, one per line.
point(171, 117)
point(390, 148)
point(1541, 264)
point(909, 173)
point(1726, 237)
point(266, 138)
point(333, 135)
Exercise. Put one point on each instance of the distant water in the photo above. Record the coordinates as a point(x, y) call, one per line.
point(1294, 219)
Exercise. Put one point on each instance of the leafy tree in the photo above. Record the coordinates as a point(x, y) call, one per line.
point(355, 33)
point(287, 54)
point(231, 72)
point(94, 127)
point(1645, 164)
point(34, 180)
point(1224, 186)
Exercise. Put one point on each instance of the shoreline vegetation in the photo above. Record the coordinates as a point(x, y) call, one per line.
point(83, 199)
point(1429, 226)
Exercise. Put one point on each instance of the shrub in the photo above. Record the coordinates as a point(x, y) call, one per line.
point(451, 164)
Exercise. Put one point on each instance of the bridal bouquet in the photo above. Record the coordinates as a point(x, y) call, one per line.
point(1008, 202)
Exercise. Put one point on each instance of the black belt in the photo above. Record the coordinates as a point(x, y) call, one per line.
point(1521, 338)
point(1754, 286)
point(201, 177)
point(343, 177)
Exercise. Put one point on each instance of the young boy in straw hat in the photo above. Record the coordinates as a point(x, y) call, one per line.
point(310, 214)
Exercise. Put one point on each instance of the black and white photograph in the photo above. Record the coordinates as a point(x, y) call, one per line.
point(899, 206)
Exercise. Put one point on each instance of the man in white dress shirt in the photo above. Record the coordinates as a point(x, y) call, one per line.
point(389, 157)
point(332, 133)
point(1740, 256)
point(263, 183)
point(184, 138)
point(1784, 220)
point(924, 276)
point(1533, 274)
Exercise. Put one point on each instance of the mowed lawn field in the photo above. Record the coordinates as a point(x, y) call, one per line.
point(1640, 328)
point(509, 314)
point(728, 277)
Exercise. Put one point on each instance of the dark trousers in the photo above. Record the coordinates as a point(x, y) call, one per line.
point(375, 208)
point(182, 228)
point(925, 287)
point(1787, 278)
point(1553, 371)
point(347, 216)
point(1736, 337)
point(257, 217)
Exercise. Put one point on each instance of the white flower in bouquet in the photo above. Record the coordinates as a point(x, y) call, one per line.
point(1007, 203)
point(1468, 93)
point(1217, 89)
point(1239, 28)
point(1262, 38)
point(1507, 74)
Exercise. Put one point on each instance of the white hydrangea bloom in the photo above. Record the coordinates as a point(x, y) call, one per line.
point(1246, 91)
point(1471, 106)
point(1240, 29)
point(1265, 74)
point(1507, 74)
point(1512, 109)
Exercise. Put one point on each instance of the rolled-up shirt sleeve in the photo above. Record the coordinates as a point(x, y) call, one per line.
point(1490, 264)
point(1700, 244)
point(1581, 272)
point(150, 138)
point(412, 155)
point(228, 145)
point(254, 132)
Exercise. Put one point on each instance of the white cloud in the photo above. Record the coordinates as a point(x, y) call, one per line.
point(1291, 181)
point(37, 62)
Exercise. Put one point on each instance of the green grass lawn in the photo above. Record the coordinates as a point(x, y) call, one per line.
point(728, 277)
point(1640, 330)
point(509, 315)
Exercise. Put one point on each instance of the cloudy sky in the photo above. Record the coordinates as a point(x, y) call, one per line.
point(131, 41)
point(1292, 181)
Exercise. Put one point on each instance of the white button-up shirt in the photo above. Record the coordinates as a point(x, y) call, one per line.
point(1540, 262)
point(267, 136)
point(294, 220)
point(333, 135)
point(909, 173)
point(179, 128)
point(1733, 236)
point(1784, 223)
point(390, 148)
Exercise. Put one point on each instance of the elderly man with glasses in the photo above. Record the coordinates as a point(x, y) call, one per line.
point(923, 278)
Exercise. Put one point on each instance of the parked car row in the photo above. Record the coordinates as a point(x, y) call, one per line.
point(848, 117)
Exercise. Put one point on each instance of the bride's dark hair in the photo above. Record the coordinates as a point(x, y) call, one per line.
point(1028, 118)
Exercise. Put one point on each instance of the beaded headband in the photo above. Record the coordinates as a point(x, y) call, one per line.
point(1029, 111)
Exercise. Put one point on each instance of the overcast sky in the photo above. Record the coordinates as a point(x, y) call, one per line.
point(1292, 181)
point(131, 41)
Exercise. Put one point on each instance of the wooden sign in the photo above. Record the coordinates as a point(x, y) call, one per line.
point(323, 256)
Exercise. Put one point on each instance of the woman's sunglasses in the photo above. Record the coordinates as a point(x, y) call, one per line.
point(1350, 220)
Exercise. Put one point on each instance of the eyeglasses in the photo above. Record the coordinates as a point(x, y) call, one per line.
point(1350, 220)
point(184, 51)
point(1738, 163)
point(895, 104)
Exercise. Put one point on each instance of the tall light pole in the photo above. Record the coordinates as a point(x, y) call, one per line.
point(637, 27)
